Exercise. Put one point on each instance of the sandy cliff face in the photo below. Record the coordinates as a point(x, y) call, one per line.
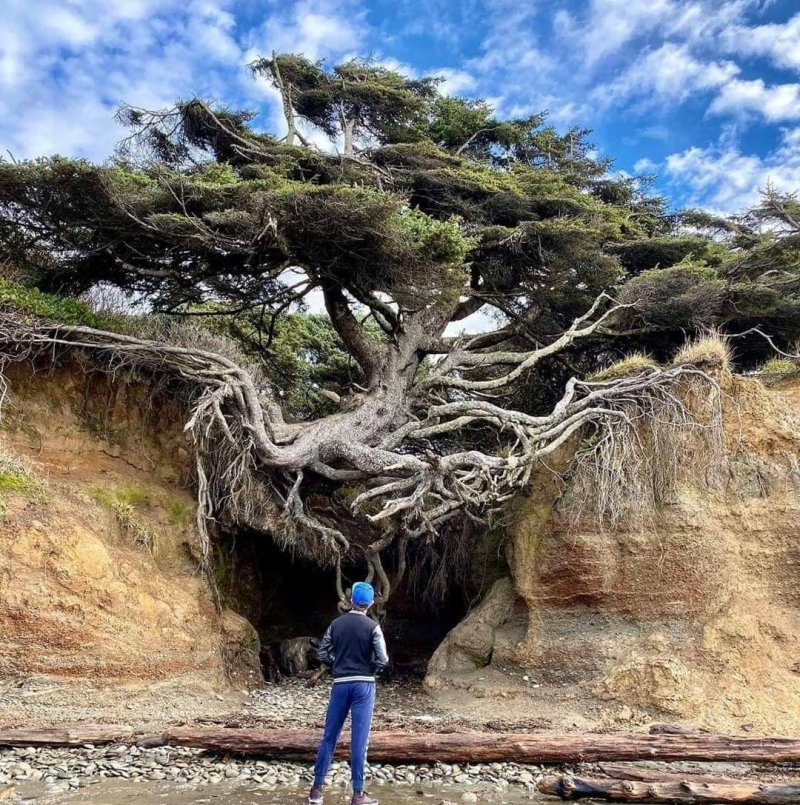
point(97, 577)
point(694, 618)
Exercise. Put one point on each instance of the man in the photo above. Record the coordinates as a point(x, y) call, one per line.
point(354, 648)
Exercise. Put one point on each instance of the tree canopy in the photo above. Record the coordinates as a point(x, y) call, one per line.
point(425, 209)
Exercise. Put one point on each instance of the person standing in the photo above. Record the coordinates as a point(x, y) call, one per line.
point(354, 648)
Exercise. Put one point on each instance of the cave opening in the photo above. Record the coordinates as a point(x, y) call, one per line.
point(284, 595)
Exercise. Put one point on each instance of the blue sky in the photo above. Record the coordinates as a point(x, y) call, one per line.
point(703, 93)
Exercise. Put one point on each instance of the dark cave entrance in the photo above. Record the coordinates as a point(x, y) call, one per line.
point(285, 596)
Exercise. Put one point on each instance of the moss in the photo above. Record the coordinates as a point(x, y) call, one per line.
point(178, 512)
point(17, 479)
point(135, 496)
point(10, 482)
point(634, 364)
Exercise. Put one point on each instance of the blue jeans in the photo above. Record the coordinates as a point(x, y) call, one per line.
point(358, 699)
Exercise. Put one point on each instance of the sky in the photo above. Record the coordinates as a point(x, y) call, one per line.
point(704, 94)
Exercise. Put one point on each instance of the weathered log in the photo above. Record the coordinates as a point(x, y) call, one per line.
point(67, 736)
point(646, 775)
point(568, 787)
point(476, 747)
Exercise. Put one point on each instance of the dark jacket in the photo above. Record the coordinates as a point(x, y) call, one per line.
point(353, 646)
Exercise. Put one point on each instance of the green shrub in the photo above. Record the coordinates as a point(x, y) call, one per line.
point(178, 512)
point(777, 369)
point(33, 302)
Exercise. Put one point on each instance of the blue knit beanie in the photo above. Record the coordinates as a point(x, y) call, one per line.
point(363, 593)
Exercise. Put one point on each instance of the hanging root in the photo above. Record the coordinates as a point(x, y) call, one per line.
point(627, 467)
point(255, 469)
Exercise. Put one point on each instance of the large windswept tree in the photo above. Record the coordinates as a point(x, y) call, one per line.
point(425, 210)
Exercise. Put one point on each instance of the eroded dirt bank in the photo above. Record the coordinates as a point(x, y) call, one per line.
point(105, 616)
point(693, 618)
point(99, 578)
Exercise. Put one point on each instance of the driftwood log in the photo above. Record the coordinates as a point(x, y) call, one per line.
point(67, 736)
point(477, 747)
point(400, 747)
point(568, 787)
point(646, 775)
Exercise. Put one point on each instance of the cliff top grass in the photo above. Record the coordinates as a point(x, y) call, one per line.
point(634, 364)
point(777, 369)
point(709, 350)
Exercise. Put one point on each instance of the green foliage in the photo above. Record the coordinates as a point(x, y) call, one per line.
point(443, 242)
point(455, 120)
point(667, 250)
point(436, 197)
point(687, 293)
point(304, 360)
point(32, 302)
point(381, 103)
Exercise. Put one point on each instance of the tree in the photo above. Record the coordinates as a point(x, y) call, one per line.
point(357, 100)
point(434, 211)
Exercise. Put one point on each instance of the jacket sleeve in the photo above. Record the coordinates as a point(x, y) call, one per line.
point(380, 658)
point(325, 651)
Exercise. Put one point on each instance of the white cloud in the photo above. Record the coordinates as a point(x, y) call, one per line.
point(780, 42)
point(644, 165)
point(514, 70)
point(456, 82)
point(316, 28)
point(668, 73)
point(65, 67)
point(724, 179)
point(777, 103)
point(608, 25)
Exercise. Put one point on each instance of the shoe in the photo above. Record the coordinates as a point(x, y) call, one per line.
point(315, 795)
point(363, 799)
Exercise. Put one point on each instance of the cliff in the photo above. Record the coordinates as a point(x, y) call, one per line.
point(692, 618)
point(98, 576)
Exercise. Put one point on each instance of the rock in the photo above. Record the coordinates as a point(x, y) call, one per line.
point(469, 645)
point(468, 796)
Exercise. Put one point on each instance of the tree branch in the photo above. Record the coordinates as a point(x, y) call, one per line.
point(362, 348)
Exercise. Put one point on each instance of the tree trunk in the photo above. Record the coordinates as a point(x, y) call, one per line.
point(67, 736)
point(398, 747)
point(349, 133)
point(568, 787)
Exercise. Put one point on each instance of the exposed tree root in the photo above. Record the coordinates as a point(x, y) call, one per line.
point(394, 447)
